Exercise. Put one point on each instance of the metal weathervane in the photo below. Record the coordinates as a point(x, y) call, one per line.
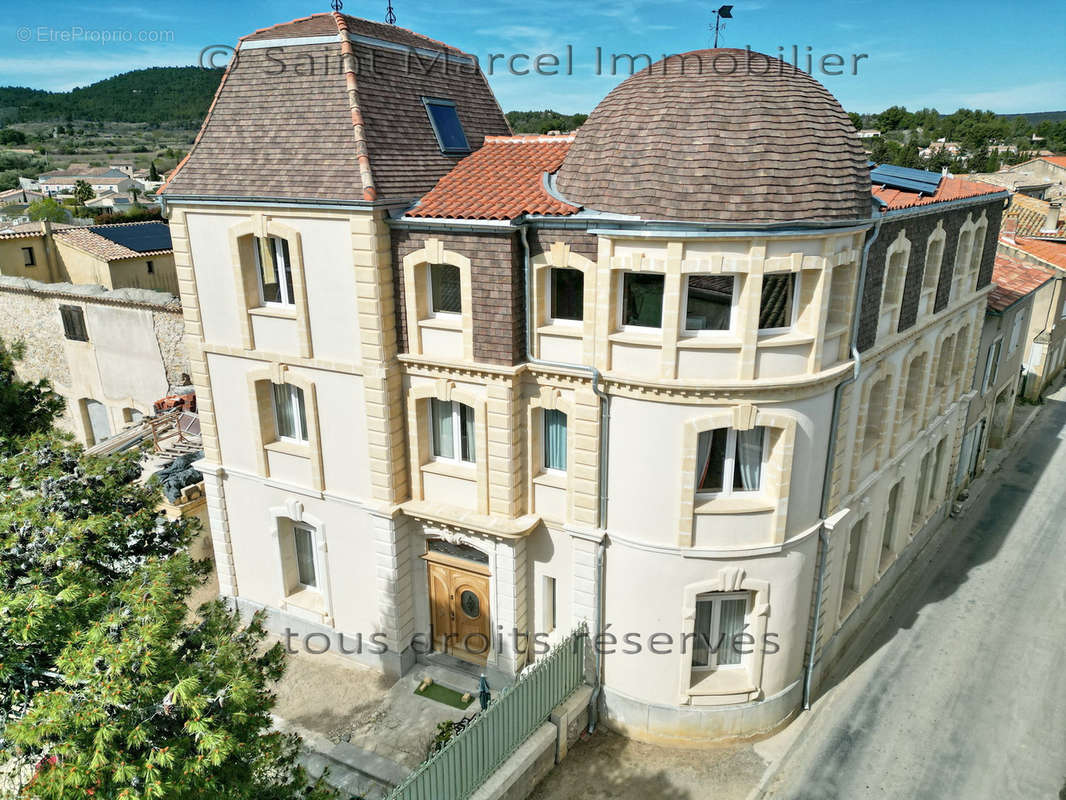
point(390, 15)
point(725, 12)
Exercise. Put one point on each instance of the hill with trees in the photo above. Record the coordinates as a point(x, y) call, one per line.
point(544, 121)
point(154, 95)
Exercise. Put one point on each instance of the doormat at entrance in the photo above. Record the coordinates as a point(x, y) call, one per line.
point(442, 694)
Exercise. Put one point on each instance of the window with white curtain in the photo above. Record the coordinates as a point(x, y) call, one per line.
point(730, 461)
point(304, 541)
point(274, 270)
point(719, 621)
point(445, 289)
point(452, 425)
point(554, 440)
point(290, 412)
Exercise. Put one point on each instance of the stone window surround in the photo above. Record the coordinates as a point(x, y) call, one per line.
point(246, 276)
point(419, 440)
point(931, 274)
point(261, 399)
point(883, 371)
point(744, 338)
point(892, 306)
point(846, 604)
point(560, 256)
point(315, 605)
point(718, 683)
point(918, 350)
point(967, 266)
point(552, 399)
point(416, 296)
point(776, 477)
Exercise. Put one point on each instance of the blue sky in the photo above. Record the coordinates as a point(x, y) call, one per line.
point(984, 54)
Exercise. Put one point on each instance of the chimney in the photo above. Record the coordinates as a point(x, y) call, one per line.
point(1051, 222)
point(1008, 228)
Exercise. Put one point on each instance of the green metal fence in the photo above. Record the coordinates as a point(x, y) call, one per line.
point(464, 763)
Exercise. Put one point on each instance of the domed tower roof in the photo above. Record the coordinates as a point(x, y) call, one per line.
point(716, 136)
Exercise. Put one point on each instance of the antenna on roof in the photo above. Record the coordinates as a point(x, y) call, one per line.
point(390, 15)
point(337, 5)
point(725, 12)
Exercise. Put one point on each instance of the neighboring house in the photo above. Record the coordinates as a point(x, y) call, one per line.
point(101, 179)
point(1034, 234)
point(1000, 354)
point(110, 354)
point(1043, 178)
point(868, 133)
point(459, 387)
point(20, 196)
point(940, 146)
point(135, 255)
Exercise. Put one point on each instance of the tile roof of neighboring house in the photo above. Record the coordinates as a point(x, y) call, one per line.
point(1053, 253)
point(288, 131)
point(98, 174)
point(950, 188)
point(94, 240)
point(1031, 215)
point(1058, 161)
point(1014, 280)
point(502, 180)
point(27, 229)
point(688, 139)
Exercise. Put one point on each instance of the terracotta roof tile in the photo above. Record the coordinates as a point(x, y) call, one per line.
point(1014, 280)
point(502, 180)
point(949, 189)
point(1052, 252)
point(1031, 215)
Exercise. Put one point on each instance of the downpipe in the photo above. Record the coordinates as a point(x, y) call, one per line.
point(823, 533)
point(601, 510)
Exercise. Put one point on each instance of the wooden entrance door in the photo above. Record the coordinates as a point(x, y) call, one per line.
point(459, 611)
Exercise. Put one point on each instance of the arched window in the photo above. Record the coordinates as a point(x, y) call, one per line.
point(915, 379)
point(943, 369)
point(934, 258)
point(875, 413)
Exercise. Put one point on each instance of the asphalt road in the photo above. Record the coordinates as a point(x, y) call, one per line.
point(962, 691)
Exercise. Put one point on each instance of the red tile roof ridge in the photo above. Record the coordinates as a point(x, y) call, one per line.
point(362, 153)
point(530, 138)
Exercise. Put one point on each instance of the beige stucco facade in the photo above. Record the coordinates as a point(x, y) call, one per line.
point(366, 483)
point(131, 356)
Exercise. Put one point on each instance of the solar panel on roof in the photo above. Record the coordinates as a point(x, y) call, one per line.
point(139, 238)
point(906, 179)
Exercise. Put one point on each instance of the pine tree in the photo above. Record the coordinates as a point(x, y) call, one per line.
point(25, 406)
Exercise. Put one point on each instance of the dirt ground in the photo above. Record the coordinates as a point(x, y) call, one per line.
point(607, 766)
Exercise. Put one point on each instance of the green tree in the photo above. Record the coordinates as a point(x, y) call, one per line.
point(153, 173)
point(83, 191)
point(856, 120)
point(12, 136)
point(106, 681)
point(47, 209)
point(26, 407)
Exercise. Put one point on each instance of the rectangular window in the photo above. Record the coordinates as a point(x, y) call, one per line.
point(445, 289)
point(151, 268)
point(730, 461)
point(305, 556)
point(992, 365)
point(554, 440)
point(567, 294)
point(642, 300)
point(709, 305)
point(719, 621)
point(453, 430)
point(289, 412)
point(1016, 331)
point(851, 566)
point(74, 323)
point(275, 271)
point(777, 302)
point(28, 258)
point(444, 117)
point(549, 621)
